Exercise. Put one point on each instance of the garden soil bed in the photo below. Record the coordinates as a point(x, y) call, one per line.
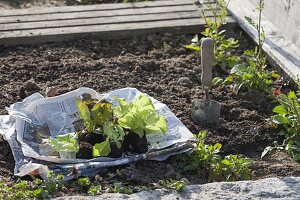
point(159, 66)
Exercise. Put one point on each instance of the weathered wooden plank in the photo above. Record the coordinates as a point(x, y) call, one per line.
point(83, 15)
point(99, 7)
point(281, 51)
point(108, 31)
point(98, 21)
point(285, 16)
point(102, 20)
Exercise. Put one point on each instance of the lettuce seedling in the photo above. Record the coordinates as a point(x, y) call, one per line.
point(140, 116)
point(65, 143)
point(99, 113)
point(114, 134)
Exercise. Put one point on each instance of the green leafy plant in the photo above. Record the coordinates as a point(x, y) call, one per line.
point(232, 168)
point(248, 76)
point(288, 119)
point(36, 189)
point(206, 157)
point(140, 116)
point(120, 188)
point(94, 113)
point(224, 46)
point(203, 155)
point(127, 123)
point(114, 134)
point(261, 60)
point(67, 143)
point(173, 184)
point(252, 74)
point(84, 183)
point(95, 190)
point(98, 118)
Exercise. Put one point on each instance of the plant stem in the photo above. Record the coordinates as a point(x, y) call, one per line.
point(297, 114)
point(259, 53)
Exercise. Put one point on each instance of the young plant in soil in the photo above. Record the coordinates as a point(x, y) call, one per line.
point(139, 118)
point(66, 145)
point(206, 160)
point(252, 73)
point(36, 189)
point(100, 136)
point(287, 119)
point(224, 46)
point(113, 144)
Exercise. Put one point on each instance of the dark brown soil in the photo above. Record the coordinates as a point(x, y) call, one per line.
point(154, 64)
point(115, 151)
point(85, 151)
point(133, 142)
point(91, 138)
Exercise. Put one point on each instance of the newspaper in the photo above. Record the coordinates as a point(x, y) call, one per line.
point(37, 118)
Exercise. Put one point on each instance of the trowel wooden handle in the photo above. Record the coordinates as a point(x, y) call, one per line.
point(207, 60)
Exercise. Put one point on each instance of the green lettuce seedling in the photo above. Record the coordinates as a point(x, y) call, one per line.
point(66, 143)
point(114, 134)
point(99, 113)
point(140, 116)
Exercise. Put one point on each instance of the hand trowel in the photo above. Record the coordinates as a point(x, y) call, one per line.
point(206, 110)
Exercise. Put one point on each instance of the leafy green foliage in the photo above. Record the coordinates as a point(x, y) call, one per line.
point(114, 133)
point(84, 182)
point(95, 190)
point(288, 119)
point(223, 46)
point(252, 74)
point(217, 81)
point(102, 149)
point(206, 157)
point(232, 168)
point(140, 116)
point(99, 113)
point(36, 189)
point(248, 76)
point(261, 34)
point(268, 149)
point(173, 184)
point(67, 143)
point(120, 188)
point(203, 155)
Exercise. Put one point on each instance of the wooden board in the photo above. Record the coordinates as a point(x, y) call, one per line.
point(284, 15)
point(104, 21)
point(282, 52)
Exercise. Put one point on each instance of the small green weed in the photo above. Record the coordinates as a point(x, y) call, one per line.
point(37, 188)
point(120, 188)
point(206, 157)
point(95, 190)
point(223, 46)
point(287, 119)
point(173, 184)
point(252, 74)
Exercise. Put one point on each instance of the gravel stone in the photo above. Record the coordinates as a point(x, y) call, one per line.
point(270, 188)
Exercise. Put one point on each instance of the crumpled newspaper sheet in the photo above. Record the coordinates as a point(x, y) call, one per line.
point(37, 117)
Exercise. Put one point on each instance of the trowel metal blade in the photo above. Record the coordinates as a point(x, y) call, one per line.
point(204, 111)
